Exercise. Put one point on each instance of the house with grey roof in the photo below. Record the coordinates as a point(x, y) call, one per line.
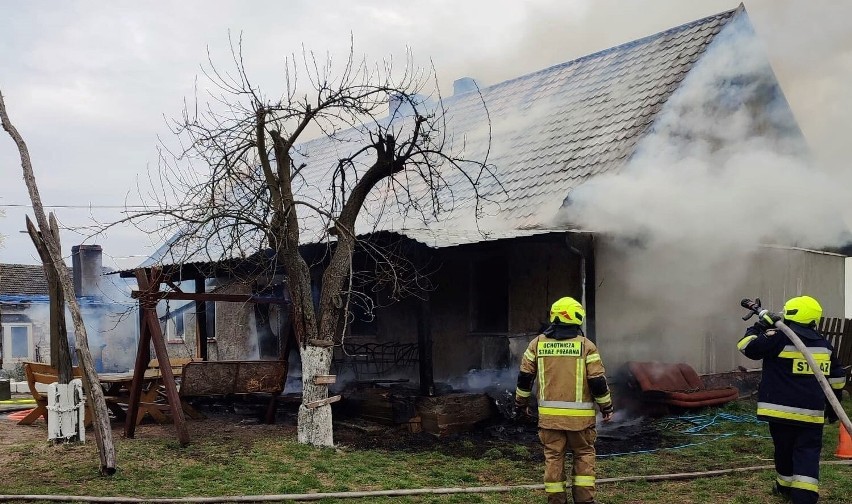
point(107, 312)
point(497, 264)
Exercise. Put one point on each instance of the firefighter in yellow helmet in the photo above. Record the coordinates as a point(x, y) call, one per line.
point(790, 398)
point(570, 376)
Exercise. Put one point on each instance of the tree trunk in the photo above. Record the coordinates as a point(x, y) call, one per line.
point(60, 353)
point(315, 423)
point(103, 430)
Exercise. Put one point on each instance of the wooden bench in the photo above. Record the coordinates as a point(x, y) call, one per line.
point(45, 374)
point(177, 364)
point(226, 378)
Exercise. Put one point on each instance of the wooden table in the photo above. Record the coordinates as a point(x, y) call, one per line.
point(117, 394)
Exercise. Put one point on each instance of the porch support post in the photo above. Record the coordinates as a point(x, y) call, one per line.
point(200, 320)
point(589, 285)
point(424, 346)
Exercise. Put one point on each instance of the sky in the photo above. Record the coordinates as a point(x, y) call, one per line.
point(90, 85)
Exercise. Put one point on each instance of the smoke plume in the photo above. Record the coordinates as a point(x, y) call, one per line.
point(724, 170)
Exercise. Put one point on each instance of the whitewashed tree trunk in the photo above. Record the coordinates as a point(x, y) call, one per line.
point(315, 424)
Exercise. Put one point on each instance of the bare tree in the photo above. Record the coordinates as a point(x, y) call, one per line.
point(47, 239)
point(245, 181)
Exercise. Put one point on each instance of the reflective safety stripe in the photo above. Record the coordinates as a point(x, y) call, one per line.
point(593, 357)
point(529, 355)
point(603, 399)
point(837, 383)
point(745, 341)
point(566, 412)
point(790, 413)
point(584, 481)
point(522, 393)
point(541, 382)
point(791, 352)
point(581, 379)
point(567, 405)
point(797, 481)
point(551, 487)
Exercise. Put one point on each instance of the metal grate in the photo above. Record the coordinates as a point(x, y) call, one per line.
point(374, 360)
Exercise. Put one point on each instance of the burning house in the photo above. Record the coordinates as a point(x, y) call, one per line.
point(630, 178)
point(106, 309)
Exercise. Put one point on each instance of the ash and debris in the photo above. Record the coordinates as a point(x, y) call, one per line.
point(501, 436)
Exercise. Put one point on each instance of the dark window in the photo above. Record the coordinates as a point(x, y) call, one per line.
point(490, 295)
point(179, 325)
point(210, 308)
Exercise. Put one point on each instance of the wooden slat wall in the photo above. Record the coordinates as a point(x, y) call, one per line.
point(838, 332)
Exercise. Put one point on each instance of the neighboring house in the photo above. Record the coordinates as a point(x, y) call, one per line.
point(24, 313)
point(110, 318)
point(552, 131)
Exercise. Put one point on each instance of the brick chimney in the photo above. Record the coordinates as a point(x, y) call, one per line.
point(87, 261)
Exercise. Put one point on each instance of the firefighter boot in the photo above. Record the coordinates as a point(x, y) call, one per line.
point(557, 498)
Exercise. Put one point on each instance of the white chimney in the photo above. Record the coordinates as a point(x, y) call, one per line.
point(87, 261)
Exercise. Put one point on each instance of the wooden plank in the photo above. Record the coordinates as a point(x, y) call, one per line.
point(323, 402)
point(209, 296)
point(325, 379)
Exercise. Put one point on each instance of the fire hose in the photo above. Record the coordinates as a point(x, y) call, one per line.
point(387, 493)
point(755, 309)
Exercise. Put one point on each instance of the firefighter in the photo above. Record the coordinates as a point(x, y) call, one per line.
point(570, 376)
point(790, 397)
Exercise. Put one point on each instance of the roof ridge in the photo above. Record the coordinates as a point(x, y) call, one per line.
point(729, 14)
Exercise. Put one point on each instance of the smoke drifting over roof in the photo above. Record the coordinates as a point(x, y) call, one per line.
point(725, 163)
point(723, 171)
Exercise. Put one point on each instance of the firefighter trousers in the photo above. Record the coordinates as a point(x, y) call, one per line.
point(797, 451)
point(582, 446)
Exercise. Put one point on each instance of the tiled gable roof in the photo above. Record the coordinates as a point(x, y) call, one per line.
point(22, 279)
point(549, 131)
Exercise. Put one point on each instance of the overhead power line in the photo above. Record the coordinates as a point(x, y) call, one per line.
point(15, 205)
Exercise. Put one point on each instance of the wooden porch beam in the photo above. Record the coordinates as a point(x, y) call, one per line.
point(210, 296)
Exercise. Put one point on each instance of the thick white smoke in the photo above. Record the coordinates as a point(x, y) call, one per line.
point(724, 170)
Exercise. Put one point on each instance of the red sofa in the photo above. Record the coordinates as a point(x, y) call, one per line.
point(676, 385)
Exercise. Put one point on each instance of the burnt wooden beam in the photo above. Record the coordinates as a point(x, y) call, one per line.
point(424, 347)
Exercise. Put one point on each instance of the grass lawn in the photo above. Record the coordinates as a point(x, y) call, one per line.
point(227, 458)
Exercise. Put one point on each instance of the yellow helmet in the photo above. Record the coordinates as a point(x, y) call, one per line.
point(567, 311)
point(804, 310)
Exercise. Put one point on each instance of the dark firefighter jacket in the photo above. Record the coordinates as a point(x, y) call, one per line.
point(570, 376)
point(789, 391)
